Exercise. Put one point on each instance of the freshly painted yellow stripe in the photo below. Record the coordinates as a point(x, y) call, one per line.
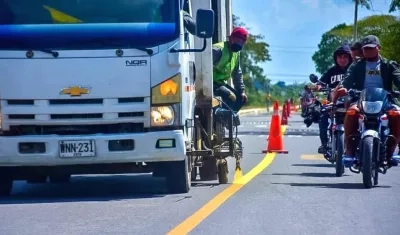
point(312, 157)
point(195, 219)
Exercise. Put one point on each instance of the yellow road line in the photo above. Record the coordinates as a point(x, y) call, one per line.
point(195, 219)
point(313, 157)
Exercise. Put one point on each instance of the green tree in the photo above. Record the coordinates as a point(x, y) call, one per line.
point(255, 52)
point(386, 27)
point(323, 57)
point(395, 5)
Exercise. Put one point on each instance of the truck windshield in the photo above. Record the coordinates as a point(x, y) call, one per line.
point(67, 23)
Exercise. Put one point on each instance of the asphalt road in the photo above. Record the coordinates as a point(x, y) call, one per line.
point(296, 193)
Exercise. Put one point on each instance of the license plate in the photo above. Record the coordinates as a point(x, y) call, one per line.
point(77, 148)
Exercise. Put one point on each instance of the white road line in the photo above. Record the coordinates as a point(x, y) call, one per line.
point(261, 126)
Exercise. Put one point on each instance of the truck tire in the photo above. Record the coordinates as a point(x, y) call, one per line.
point(58, 179)
point(5, 187)
point(208, 171)
point(178, 178)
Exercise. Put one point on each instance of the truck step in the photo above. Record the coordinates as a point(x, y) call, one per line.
point(200, 152)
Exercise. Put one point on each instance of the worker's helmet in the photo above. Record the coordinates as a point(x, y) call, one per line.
point(240, 32)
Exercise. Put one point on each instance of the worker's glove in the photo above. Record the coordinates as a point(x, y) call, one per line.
point(232, 96)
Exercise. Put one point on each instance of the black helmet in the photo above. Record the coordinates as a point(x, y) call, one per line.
point(356, 46)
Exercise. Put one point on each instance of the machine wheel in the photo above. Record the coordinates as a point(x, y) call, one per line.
point(57, 179)
point(178, 177)
point(5, 187)
point(367, 156)
point(339, 154)
point(208, 171)
point(193, 174)
point(222, 171)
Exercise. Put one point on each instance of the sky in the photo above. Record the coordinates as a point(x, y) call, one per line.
point(293, 29)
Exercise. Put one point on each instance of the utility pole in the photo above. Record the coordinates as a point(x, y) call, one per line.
point(356, 3)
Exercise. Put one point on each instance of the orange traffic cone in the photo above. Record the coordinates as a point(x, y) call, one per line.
point(284, 120)
point(275, 138)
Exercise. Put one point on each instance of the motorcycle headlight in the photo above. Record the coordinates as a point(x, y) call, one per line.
point(372, 107)
point(162, 115)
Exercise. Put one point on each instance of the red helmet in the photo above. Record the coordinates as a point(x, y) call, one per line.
point(240, 33)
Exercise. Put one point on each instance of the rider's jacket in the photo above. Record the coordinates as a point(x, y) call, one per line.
point(388, 70)
point(335, 74)
point(226, 66)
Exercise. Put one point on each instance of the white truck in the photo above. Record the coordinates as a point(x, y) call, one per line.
point(111, 87)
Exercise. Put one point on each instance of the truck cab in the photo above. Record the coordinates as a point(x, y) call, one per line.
point(103, 87)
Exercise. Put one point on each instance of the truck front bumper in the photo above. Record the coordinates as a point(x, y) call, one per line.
point(145, 149)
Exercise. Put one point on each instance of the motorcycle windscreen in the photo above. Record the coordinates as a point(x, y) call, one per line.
point(373, 94)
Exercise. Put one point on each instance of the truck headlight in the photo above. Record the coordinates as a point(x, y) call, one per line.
point(167, 92)
point(162, 115)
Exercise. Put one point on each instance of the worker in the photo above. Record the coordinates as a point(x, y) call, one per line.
point(189, 23)
point(226, 65)
point(268, 101)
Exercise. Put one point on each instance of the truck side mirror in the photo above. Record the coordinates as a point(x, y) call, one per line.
point(204, 29)
point(205, 23)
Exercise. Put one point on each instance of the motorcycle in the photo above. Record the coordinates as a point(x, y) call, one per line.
point(373, 137)
point(305, 104)
point(337, 113)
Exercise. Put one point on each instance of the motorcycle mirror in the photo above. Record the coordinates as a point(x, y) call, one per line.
point(313, 78)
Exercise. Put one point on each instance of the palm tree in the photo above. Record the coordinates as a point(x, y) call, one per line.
point(362, 3)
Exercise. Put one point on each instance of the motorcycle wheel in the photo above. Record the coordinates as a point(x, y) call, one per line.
point(368, 170)
point(339, 167)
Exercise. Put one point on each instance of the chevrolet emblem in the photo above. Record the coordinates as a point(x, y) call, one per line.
point(75, 91)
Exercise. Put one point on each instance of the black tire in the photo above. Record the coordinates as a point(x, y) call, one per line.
point(6, 186)
point(367, 156)
point(208, 171)
point(59, 179)
point(178, 178)
point(339, 167)
point(222, 172)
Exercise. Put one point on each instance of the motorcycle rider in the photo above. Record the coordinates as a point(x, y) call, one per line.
point(305, 99)
point(371, 71)
point(343, 59)
point(226, 64)
point(356, 51)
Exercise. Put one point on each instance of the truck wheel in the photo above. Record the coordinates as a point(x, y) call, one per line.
point(208, 171)
point(5, 187)
point(222, 171)
point(57, 179)
point(178, 177)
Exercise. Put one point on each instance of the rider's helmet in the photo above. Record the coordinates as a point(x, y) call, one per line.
point(356, 46)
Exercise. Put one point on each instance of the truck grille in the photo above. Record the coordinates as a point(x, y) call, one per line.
point(75, 112)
